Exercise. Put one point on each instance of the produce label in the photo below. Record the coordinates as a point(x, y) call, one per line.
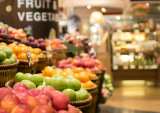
point(36, 16)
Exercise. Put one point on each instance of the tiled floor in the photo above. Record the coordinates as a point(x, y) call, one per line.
point(134, 99)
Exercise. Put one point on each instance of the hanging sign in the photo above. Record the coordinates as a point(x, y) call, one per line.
point(35, 16)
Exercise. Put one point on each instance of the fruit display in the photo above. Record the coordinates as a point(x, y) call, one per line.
point(23, 52)
point(21, 99)
point(9, 34)
point(85, 76)
point(6, 55)
point(69, 86)
point(36, 43)
point(56, 44)
point(16, 33)
point(85, 62)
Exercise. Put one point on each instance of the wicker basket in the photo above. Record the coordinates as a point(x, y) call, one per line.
point(84, 106)
point(7, 72)
point(41, 64)
point(99, 83)
point(57, 55)
point(94, 93)
point(24, 67)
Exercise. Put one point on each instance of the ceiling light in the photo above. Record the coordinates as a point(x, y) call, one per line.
point(103, 10)
point(118, 17)
point(147, 4)
point(89, 7)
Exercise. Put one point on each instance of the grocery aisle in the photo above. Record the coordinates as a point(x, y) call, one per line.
point(131, 98)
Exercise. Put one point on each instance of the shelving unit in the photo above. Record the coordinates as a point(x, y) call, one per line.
point(131, 60)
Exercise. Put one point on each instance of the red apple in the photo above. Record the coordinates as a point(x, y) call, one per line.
point(4, 92)
point(62, 111)
point(2, 110)
point(60, 101)
point(43, 109)
point(34, 92)
point(21, 109)
point(48, 91)
point(20, 87)
point(72, 109)
point(9, 102)
point(30, 101)
point(43, 99)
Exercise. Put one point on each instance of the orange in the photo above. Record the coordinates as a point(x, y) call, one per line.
point(22, 56)
point(48, 71)
point(92, 76)
point(88, 85)
point(83, 77)
point(37, 51)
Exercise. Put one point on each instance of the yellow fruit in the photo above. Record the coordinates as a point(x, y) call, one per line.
point(88, 85)
point(92, 76)
point(22, 56)
point(48, 71)
point(83, 77)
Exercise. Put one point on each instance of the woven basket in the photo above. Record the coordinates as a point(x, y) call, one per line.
point(99, 83)
point(94, 93)
point(41, 64)
point(57, 55)
point(7, 72)
point(24, 67)
point(85, 106)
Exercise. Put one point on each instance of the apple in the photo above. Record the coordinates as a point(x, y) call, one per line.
point(9, 102)
point(2, 110)
point(60, 101)
point(21, 109)
point(82, 94)
point(73, 83)
point(34, 92)
point(30, 101)
point(37, 79)
point(4, 92)
point(43, 109)
point(71, 94)
point(72, 109)
point(20, 76)
point(48, 90)
point(20, 87)
point(28, 83)
point(57, 82)
point(43, 100)
point(62, 111)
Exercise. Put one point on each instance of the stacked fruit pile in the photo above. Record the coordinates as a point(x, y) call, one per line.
point(6, 55)
point(85, 62)
point(21, 99)
point(56, 44)
point(69, 86)
point(36, 43)
point(85, 76)
point(23, 52)
point(16, 33)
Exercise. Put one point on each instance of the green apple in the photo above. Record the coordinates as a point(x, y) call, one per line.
point(13, 59)
point(28, 83)
point(37, 79)
point(73, 83)
point(2, 56)
point(70, 93)
point(21, 76)
point(57, 82)
point(82, 94)
point(8, 52)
